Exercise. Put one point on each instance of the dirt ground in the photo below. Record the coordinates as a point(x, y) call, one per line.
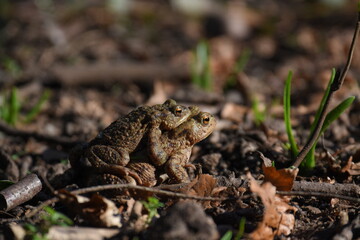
point(95, 61)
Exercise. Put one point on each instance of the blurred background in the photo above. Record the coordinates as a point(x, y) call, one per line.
point(82, 64)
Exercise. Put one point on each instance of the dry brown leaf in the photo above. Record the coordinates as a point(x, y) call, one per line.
point(204, 186)
point(97, 211)
point(282, 179)
point(351, 167)
point(277, 220)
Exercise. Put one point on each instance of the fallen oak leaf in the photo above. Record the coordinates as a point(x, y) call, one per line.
point(282, 179)
point(277, 220)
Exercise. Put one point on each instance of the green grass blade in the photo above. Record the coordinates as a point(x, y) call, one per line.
point(325, 96)
point(36, 109)
point(309, 162)
point(287, 90)
point(238, 67)
point(259, 116)
point(14, 107)
point(241, 230)
point(227, 236)
point(334, 114)
point(201, 72)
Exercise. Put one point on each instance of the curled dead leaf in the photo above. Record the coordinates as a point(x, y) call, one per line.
point(278, 215)
point(282, 179)
point(97, 211)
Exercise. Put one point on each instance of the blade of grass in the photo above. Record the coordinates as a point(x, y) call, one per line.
point(325, 96)
point(227, 236)
point(201, 74)
point(309, 162)
point(238, 67)
point(287, 119)
point(259, 116)
point(14, 107)
point(334, 114)
point(36, 109)
point(241, 230)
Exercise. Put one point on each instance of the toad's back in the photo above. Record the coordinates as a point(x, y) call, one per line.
point(127, 131)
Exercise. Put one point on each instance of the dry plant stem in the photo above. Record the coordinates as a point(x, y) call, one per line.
point(350, 190)
point(81, 233)
point(65, 142)
point(318, 194)
point(338, 81)
point(126, 186)
point(119, 72)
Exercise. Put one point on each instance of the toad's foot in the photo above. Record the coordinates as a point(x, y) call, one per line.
point(121, 172)
point(190, 165)
point(176, 172)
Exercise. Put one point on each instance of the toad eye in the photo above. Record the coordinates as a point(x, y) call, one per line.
point(205, 120)
point(178, 111)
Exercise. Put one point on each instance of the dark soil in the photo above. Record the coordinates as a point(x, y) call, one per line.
point(99, 63)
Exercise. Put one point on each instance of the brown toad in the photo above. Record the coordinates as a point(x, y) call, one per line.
point(173, 148)
point(109, 151)
point(169, 150)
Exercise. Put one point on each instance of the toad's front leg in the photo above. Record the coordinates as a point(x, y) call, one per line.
point(107, 159)
point(175, 167)
point(155, 147)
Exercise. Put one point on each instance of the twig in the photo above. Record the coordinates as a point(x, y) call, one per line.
point(20, 192)
point(127, 186)
point(118, 72)
point(318, 194)
point(65, 142)
point(337, 83)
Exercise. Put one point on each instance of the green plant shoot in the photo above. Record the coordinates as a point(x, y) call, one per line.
point(152, 206)
point(201, 73)
point(56, 218)
point(10, 108)
point(259, 115)
point(241, 230)
point(238, 67)
point(287, 91)
point(227, 236)
point(37, 108)
point(51, 218)
point(334, 114)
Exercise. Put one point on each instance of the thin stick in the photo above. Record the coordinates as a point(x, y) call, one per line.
point(318, 194)
point(120, 186)
point(337, 83)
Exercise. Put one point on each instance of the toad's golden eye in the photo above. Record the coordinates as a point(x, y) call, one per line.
point(178, 110)
point(205, 120)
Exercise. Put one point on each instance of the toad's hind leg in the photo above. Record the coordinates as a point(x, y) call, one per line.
point(106, 159)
